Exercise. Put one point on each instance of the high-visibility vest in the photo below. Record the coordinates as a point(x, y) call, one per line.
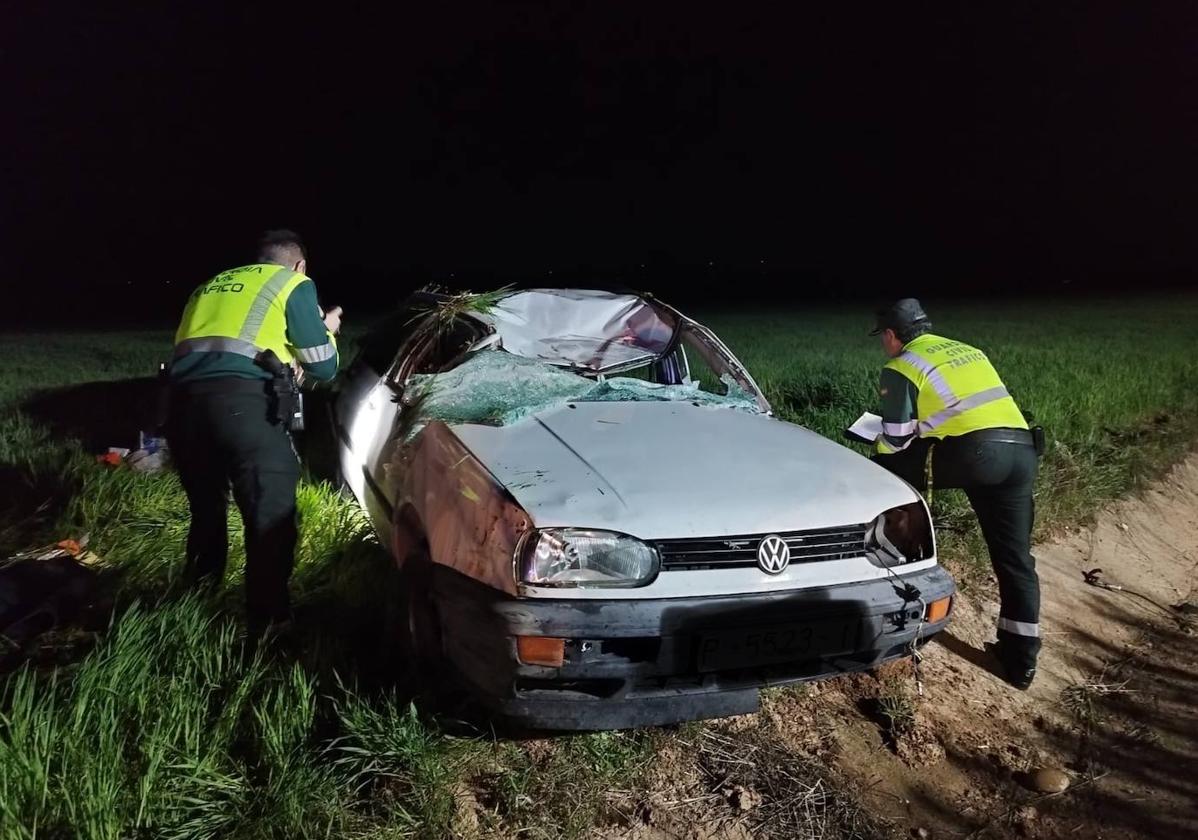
point(240, 311)
point(959, 390)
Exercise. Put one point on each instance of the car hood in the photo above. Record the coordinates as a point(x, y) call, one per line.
point(664, 470)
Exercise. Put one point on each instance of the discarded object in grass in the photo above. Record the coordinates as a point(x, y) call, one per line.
point(145, 461)
point(45, 588)
point(1094, 578)
point(152, 454)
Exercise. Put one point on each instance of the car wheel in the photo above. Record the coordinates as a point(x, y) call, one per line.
point(411, 629)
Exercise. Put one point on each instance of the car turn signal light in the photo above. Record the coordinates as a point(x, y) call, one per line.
point(541, 650)
point(938, 609)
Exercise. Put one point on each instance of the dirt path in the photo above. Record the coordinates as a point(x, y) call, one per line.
point(1115, 705)
point(1115, 702)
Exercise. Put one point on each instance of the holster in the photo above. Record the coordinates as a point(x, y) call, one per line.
point(286, 403)
point(1038, 440)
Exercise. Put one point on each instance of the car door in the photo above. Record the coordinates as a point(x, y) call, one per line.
point(367, 409)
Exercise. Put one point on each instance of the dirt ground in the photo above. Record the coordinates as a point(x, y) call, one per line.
point(1114, 706)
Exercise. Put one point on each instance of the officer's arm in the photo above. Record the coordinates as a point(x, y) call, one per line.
point(312, 343)
point(899, 396)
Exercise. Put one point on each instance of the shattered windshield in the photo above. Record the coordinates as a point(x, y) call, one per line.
point(497, 388)
point(597, 331)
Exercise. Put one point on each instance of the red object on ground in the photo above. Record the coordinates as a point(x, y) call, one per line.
point(112, 459)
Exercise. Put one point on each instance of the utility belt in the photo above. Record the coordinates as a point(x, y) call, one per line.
point(285, 401)
point(1028, 437)
point(220, 386)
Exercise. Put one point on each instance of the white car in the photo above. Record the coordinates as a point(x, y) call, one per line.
point(600, 524)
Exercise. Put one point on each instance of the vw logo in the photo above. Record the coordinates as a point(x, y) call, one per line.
point(773, 555)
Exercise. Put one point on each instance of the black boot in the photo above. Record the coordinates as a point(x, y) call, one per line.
point(1017, 667)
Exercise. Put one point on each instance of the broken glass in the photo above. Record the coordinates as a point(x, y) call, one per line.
point(499, 388)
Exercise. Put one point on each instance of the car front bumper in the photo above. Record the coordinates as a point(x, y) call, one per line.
point(656, 661)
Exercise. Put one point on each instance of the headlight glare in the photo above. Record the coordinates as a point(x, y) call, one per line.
point(900, 535)
point(571, 557)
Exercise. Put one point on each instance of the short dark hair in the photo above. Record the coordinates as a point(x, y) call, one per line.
point(281, 247)
point(912, 332)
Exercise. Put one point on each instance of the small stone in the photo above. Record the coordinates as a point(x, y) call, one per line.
point(1049, 780)
point(921, 833)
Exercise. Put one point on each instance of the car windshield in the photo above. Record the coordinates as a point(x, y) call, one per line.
point(498, 388)
point(596, 331)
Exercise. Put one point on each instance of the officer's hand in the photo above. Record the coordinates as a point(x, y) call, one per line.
point(332, 320)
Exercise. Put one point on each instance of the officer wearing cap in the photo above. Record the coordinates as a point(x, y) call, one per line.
point(944, 403)
point(239, 334)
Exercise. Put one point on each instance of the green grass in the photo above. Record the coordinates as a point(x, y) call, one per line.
point(159, 725)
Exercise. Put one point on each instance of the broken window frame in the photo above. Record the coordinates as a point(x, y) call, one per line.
point(689, 335)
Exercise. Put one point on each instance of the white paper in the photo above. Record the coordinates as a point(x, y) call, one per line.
point(867, 427)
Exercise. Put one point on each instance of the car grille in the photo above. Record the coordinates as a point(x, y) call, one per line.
point(738, 552)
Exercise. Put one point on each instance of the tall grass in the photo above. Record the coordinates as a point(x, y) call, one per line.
point(172, 729)
point(168, 727)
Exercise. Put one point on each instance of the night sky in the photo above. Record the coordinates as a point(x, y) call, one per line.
point(697, 153)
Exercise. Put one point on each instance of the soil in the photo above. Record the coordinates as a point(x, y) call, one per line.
point(1114, 706)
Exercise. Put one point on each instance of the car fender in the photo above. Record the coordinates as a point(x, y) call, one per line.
point(469, 520)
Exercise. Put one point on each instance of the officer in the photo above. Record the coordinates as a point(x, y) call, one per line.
point(944, 396)
point(228, 416)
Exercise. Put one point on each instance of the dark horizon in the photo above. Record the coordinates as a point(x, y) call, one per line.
point(700, 156)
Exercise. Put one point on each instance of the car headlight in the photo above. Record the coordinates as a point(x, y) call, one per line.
point(570, 557)
point(900, 535)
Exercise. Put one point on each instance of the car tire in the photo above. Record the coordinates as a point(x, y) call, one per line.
point(411, 628)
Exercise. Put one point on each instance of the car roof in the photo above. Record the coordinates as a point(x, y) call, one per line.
point(591, 329)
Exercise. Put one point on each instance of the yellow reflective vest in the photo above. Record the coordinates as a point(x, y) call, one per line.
point(959, 391)
point(240, 311)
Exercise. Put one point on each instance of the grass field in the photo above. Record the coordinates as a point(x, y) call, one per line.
point(152, 723)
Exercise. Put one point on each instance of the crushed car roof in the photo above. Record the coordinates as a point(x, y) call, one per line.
point(594, 330)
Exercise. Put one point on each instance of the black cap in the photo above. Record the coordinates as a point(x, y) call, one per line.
point(901, 316)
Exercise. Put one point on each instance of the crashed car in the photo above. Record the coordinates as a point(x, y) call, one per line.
point(599, 523)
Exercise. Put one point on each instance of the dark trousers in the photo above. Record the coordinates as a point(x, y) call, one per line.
point(222, 440)
point(998, 478)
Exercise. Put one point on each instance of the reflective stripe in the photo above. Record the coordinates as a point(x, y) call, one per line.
point(937, 382)
point(899, 429)
point(262, 303)
point(215, 345)
point(980, 398)
point(1019, 628)
point(885, 447)
point(311, 355)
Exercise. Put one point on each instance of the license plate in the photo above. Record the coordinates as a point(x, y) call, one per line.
point(749, 647)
